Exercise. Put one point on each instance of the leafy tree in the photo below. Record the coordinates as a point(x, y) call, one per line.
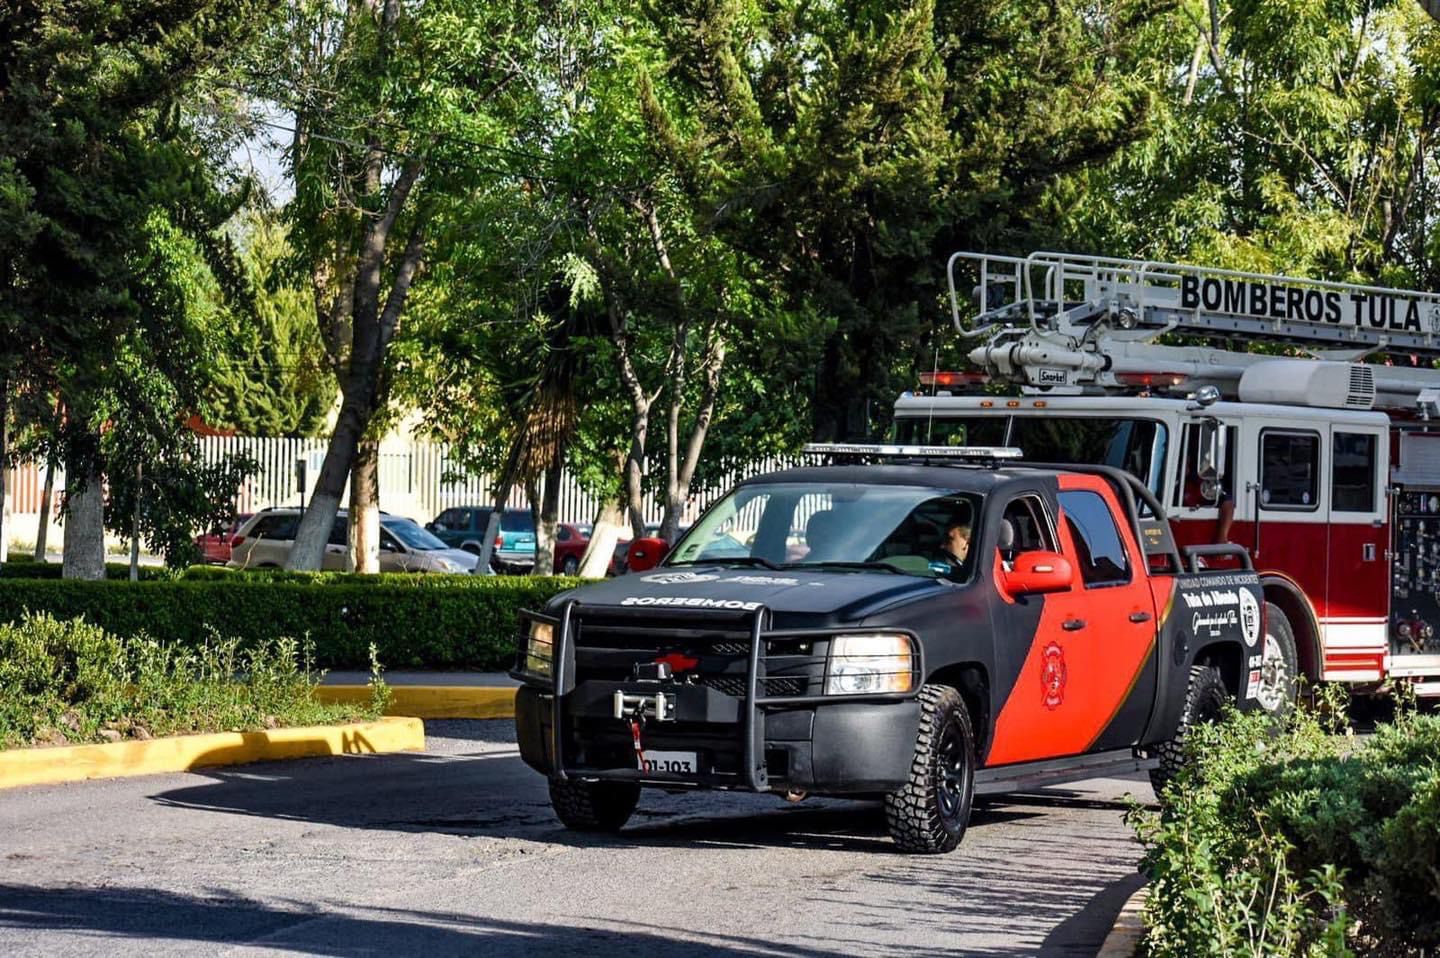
point(391, 104)
point(107, 188)
point(272, 378)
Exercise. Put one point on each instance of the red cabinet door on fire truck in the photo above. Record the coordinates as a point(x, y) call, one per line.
point(1358, 571)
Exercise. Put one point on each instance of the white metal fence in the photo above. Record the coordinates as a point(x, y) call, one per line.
point(413, 479)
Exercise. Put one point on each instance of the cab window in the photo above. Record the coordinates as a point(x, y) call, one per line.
point(1289, 470)
point(1196, 468)
point(1352, 473)
point(1028, 529)
point(1100, 552)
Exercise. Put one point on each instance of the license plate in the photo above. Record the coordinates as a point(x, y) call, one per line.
point(677, 763)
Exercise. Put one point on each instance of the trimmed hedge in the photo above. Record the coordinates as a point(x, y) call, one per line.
point(26, 568)
point(415, 621)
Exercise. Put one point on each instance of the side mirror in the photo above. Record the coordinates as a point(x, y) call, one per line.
point(645, 553)
point(1037, 573)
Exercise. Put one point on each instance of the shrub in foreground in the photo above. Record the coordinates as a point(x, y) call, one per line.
point(70, 682)
point(1309, 842)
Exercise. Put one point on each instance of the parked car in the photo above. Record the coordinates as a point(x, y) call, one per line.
point(264, 542)
point(619, 561)
point(464, 527)
point(571, 541)
point(215, 545)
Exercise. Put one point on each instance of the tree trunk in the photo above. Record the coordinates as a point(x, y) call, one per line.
point(47, 506)
point(634, 471)
point(4, 468)
point(135, 524)
point(365, 508)
point(314, 531)
point(42, 530)
point(609, 520)
point(678, 484)
point(549, 517)
point(84, 528)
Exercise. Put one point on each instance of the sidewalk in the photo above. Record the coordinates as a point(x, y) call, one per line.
point(490, 679)
point(432, 695)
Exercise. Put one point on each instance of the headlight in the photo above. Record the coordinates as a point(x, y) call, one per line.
point(1427, 631)
point(881, 662)
point(540, 648)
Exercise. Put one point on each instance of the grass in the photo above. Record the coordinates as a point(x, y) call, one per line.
point(69, 682)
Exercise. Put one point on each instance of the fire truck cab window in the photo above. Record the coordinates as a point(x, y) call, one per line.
point(1352, 473)
point(1100, 553)
point(1136, 445)
point(1289, 470)
point(1201, 481)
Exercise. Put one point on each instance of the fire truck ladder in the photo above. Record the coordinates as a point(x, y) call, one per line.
point(1062, 323)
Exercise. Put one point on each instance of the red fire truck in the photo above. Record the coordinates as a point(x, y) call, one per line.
point(1317, 453)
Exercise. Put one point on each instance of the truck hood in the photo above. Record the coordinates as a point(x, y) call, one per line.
point(837, 596)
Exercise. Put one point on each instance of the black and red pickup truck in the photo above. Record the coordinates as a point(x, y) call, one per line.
point(815, 632)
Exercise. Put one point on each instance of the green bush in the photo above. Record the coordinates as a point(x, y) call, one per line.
point(414, 621)
point(28, 568)
point(70, 681)
point(1307, 842)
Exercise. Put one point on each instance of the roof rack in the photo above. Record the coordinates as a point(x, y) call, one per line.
point(892, 451)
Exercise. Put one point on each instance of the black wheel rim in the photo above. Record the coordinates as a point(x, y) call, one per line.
point(952, 775)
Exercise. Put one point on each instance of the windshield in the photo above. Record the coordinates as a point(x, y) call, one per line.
point(910, 530)
point(1135, 445)
point(412, 535)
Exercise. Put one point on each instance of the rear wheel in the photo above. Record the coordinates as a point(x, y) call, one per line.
point(929, 814)
point(593, 806)
point(1204, 702)
point(1279, 665)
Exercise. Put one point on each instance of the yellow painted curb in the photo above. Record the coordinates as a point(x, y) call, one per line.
point(432, 701)
point(73, 763)
point(1124, 938)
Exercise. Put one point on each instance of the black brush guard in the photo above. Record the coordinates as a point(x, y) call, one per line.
point(752, 707)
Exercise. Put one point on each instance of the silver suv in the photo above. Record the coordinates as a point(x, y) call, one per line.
point(265, 540)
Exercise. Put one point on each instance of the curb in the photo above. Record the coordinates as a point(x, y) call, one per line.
point(1128, 930)
point(432, 701)
point(74, 763)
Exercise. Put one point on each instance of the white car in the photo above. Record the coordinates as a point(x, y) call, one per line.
point(265, 540)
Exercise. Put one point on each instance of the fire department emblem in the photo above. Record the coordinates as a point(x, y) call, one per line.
point(1052, 675)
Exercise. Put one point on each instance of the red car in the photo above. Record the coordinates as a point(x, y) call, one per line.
point(571, 541)
point(215, 545)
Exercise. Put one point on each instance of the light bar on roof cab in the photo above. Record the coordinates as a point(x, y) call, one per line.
point(889, 451)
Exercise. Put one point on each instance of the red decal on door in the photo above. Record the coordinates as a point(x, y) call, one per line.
point(1052, 676)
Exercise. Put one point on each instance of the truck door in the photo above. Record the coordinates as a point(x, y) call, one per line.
point(1088, 681)
point(1357, 573)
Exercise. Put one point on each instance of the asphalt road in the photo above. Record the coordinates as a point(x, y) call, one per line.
point(455, 851)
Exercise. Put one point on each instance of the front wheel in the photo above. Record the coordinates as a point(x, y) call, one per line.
point(593, 806)
point(1205, 700)
point(929, 813)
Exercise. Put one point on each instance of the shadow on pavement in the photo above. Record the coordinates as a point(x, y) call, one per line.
point(497, 796)
point(157, 915)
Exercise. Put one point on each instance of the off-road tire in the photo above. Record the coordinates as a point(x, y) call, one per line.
point(1278, 628)
point(593, 806)
point(1205, 700)
point(929, 813)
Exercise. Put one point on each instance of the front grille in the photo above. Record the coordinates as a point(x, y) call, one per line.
point(609, 646)
point(735, 685)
